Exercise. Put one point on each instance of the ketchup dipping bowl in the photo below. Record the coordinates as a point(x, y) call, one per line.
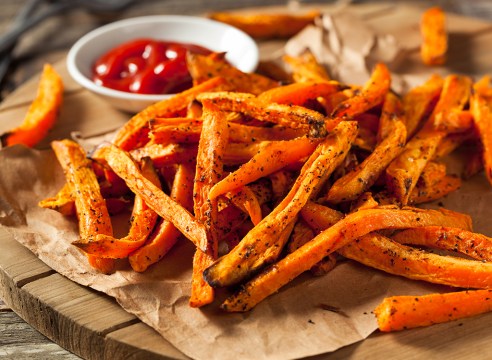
point(241, 50)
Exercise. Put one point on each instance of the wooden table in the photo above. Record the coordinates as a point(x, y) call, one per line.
point(48, 44)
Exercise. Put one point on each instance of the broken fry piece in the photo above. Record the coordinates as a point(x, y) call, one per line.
point(42, 112)
point(434, 37)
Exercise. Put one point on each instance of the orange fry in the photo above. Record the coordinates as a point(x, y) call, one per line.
point(418, 102)
point(90, 206)
point(481, 109)
point(204, 67)
point(123, 165)
point(454, 239)
point(166, 235)
point(333, 238)
point(271, 158)
point(135, 132)
point(381, 253)
point(406, 312)
point(267, 26)
point(305, 68)
point(300, 93)
point(434, 37)
point(364, 175)
point(42, 113)
point(296, 117)
point(209, 169)
point(371, 95)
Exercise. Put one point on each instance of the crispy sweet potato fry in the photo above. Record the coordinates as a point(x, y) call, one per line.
point(163, 155)
point(371, 95)
point(256, 247)
point(444, 186)
point(42, 113)
point(319, 217)
point(305, 68)
point(90, 206)
point(122, 164)
point(481, 109)
point(404, 170)
point(296, 117)
point(300, 93)
point(166, 235)
point(271, 158)
point(364, 175)
point(384, 254)
point(418, 102)
point(267, 26)
point(406, 312)
point(209, 169)
point(135, 132)
point(454, 239)
point(333, 238)
point(143, 220)
point(434, 37)
point(204, 67)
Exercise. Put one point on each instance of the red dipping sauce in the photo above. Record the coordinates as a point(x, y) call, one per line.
point(146, 66)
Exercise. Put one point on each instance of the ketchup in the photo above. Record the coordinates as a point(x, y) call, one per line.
point(146, 66)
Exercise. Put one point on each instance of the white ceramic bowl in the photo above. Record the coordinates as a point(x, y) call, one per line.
point(241, 50)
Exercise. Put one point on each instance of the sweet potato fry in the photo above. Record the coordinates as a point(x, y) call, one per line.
point(250, 134)
point(267, 26)
point(209, 169)
point(271, 158)
point(444, 186)
point(404, 170)
point(305, 68)
point(418, 102)
point(371, 95)
point(454, 239)
point(163, 155)
point(320, 217)
point(391, 112)
point(296, 117)
point(364, 175)
point(406, 312)
point(89, 204)
point(42, 113)
point(300, 93)
point(166, 235)
point(123, 165)
point(204, 67)
point(481, 109)
point(434, 37)
point(333, 238)
point(134, 133)
point(250, 201)
point(143, 220)
point(172, 131)
point(256, 247)
point(382, 253)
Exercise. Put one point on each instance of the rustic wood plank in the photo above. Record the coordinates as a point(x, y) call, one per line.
point(132, 342)
point(17, 335)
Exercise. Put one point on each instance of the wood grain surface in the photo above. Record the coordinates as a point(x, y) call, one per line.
point(59, 308)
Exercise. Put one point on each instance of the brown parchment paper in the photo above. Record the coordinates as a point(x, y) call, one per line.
point(290, 324)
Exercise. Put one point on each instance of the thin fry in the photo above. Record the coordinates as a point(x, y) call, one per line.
point(406, 312)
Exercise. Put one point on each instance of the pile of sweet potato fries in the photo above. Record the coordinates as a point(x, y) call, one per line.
point(269, 181)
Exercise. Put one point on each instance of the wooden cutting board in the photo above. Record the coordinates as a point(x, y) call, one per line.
point(93, 326)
